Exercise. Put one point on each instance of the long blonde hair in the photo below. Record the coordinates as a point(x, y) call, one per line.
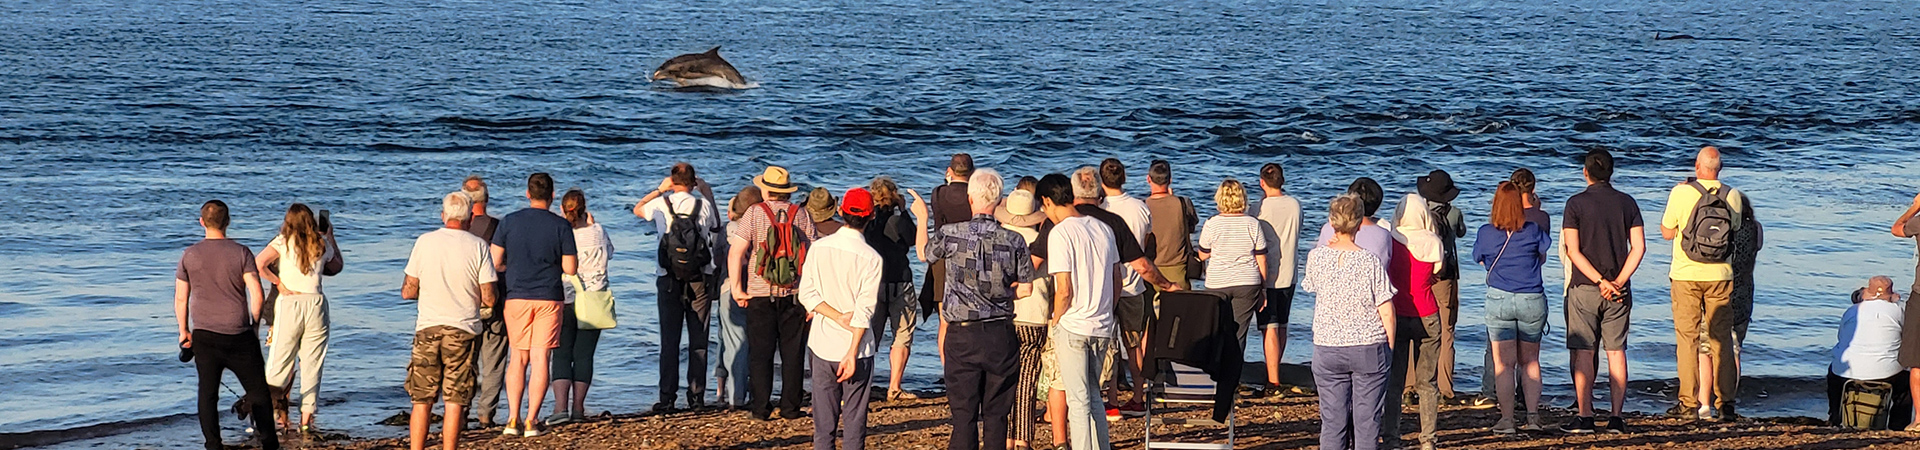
point(302, 232)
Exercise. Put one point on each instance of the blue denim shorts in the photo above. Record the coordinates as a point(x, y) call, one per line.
point(1513, 316)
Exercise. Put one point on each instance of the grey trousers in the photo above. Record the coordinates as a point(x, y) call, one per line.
point(1353, 386)
point(1416, 355)
point(841, 405)
point(492, 361)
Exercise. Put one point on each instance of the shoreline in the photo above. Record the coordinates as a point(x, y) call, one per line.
point(1290, 422)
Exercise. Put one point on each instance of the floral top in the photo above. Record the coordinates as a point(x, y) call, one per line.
point(1348, 286)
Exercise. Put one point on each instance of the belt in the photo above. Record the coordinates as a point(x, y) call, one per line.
point(991, 320)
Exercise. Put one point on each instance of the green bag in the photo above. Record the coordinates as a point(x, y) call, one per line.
point(592, 309)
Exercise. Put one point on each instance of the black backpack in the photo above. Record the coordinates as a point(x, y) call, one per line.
point(685, 251)
point(1709, 234)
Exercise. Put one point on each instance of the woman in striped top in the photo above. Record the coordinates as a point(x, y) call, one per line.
point(1236, 254)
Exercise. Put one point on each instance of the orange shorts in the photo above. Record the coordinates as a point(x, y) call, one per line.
point(533, 324)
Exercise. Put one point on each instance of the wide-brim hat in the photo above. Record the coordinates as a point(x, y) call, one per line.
point(775, 179)
point(1438, 186)
point(820, 204)
point(1019, 209)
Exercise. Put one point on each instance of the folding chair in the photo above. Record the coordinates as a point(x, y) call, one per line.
point(1866, 405)
point(1179, 384)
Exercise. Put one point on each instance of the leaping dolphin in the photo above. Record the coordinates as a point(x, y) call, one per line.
point(702, 70)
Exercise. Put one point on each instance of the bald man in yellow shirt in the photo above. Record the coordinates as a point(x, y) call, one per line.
point(1702, 300)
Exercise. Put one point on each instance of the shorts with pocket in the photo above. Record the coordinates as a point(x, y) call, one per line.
point(1516, 316)
point(1595, 323)
point(533, 324)
point(900, 312)
point(442, 366)
point(1279, 308)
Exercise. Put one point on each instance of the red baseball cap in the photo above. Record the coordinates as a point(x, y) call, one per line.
point(858, 202)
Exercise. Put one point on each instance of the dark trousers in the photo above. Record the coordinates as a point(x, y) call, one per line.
point(776, 323)
point(1899, 410)
point(840, 405)
point(983, 364)
point(687, 305)
point(1416, 355)
point(240, 354)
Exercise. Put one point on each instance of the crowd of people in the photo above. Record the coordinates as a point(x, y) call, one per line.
point(1042, 291)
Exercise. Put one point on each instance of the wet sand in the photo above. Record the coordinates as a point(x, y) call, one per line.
point(1286, 423)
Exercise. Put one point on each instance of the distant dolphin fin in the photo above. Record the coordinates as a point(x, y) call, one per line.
point(714, 51)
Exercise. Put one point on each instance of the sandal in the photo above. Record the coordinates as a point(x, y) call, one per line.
point(898, 395)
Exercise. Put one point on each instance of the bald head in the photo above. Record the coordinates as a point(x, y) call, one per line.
point(1706, 166)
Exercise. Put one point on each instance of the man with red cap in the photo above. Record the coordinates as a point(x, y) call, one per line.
point(987, 267)
point(840, 288)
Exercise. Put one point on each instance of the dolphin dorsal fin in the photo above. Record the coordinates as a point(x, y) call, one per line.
point(714, 51)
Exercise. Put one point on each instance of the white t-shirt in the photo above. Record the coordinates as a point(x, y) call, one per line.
point(1281, 214)
point(1231, 243)
point(1037, 307)
point(593, 250)
point(656, 211)
point(1869, 345)
point(842, 272)
point(289, 265)
point(451, 265)
point(1083, 248)
point(1139, 222)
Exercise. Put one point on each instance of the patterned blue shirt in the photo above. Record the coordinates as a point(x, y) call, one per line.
point(983, 261)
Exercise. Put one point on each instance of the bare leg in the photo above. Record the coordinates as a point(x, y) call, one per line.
point(456, 418)
point(516, 386)
point(539, 360)
point(417, 425)
point(1703, 389)
point(1913, 385)
point(1617, 379)
point(1583, 376)
point(1503, 362)
point(1530, 368)
point(1276, 345)
point(1134, 357)
point(898, 361)
point(1057, 414)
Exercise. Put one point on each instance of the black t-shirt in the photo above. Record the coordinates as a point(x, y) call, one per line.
point(891, 234)
point(1129, 246)
point(950, 204)
point(1603, 216)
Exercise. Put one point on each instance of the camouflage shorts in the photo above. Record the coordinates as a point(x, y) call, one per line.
point(442, 366)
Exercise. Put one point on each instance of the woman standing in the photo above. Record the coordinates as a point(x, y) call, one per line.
point(1236, 253)
point(1417, 252)
point(293, 263)
point(1353, 326)
point(1020, 213)
point(573, 361)
point(732, 380)
point(891, 233)
point(1512, 250)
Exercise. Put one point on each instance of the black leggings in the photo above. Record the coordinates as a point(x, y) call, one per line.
point(240, 354)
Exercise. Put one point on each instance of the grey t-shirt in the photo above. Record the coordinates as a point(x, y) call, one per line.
point(214, 270)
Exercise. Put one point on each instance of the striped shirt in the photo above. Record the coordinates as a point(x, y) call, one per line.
point(1232, 242)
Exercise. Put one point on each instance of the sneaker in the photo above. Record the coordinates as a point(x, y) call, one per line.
point(1578, 425)
point(559, 418)
point(790, 414)
point(663, 408)
point(579, 416)
point(1504, 426)
point(1680, 412)
point(512, 429)
point(1709, 414)
point(1481, 402)
point(696, 403)
point(1134, 409)
point(760, 417)
point(1113, 414)
point(533, 431)
point(1532, 424)
point(1408, 398)
point(1616, 425)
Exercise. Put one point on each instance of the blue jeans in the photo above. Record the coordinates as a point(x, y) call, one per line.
point(1353, 388)
point(733, 349)
point(1080, 360)
point(1516, 316)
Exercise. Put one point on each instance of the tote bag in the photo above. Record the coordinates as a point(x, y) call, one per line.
point(593, 309)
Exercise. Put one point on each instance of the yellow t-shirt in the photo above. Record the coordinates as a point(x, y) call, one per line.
point(1679, 212)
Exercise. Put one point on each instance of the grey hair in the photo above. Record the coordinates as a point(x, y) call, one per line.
point(983, 188)
point(1086, 183)
point(456, 206)
point(1344, 214)
point(478, 195)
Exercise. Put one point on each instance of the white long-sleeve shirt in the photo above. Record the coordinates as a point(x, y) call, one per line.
point(843, 272)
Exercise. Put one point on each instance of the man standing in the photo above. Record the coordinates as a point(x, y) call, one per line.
point(1702, 215)
point(451, 275)
point(1131, 308)
point(1171, 241)
point(1604, 240)
point(775, 318)
point(1372, 237)
point(989, 267)
point(1279, 215)
point(216, 303)
point(1086, 269)
point(841, 288)
point(688, 229)
point(1906, 227)
point(534, 247)
point(491, 354)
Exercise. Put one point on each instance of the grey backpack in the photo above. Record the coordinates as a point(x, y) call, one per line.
point(1709, 234)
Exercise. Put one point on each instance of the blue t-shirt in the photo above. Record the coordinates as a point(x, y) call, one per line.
point(1516, 269)
point(534, 240)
